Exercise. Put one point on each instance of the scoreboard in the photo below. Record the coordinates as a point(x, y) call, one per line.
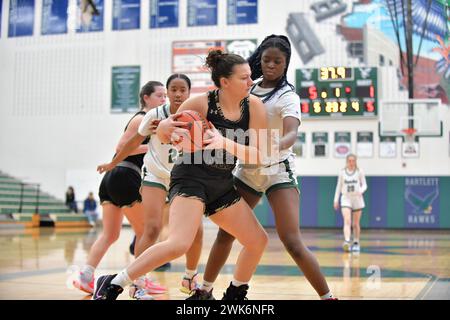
point(337, 92)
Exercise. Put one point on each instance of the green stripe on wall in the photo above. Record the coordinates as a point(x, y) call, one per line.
point(444, 195)
point(396, 202)
point(326, 217)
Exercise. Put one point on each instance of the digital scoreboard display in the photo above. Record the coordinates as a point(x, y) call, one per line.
point(337, 92)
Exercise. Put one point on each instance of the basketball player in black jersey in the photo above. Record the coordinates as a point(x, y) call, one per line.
point(119, 189)
point(269, 64)
point(197, 189)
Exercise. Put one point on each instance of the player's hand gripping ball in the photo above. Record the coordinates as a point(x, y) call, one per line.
point(191, 138)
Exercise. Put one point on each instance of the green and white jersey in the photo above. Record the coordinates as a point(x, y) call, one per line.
point(160, 157)
point(350, 183)
point(284, 103)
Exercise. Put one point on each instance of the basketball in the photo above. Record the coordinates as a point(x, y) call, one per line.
point(197, 126)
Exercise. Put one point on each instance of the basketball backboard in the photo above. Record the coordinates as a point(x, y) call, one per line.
point(424, 118)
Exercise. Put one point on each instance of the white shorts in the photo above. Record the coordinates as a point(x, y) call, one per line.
point(266, 180)
point(354, 202)
point(151, 180)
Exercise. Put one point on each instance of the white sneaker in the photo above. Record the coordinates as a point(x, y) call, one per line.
point(150, 285)
point(139, 293)
point(355, 247)
point(346, 246)
point(83, 285)
point(188, 285)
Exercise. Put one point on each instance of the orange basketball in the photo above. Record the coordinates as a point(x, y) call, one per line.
point(197, 126)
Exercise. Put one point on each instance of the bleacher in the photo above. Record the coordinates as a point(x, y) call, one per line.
point(24, 204)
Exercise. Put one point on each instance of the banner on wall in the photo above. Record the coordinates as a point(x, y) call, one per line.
point(126, 14)
point(388, 147)
point(164, 13)
point(1, 9)
point(242, 12)
point(299, 145)
point(202, 13)
point(364, 144)
point(21, 18)
point(410, 147)
point(422, 202)
point(54, 17)
point(87, 21)
point(320, 144)
point(188, 57)
point(244, 47)
point(125, 88)
point(342, 144)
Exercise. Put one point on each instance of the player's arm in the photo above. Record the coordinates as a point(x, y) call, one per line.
point(290, 128)
point(363, 183)
point(131, 130)
point(167, 127)
point(250, 154)
point(133, 144)
point(126, 150)
point(337, 192)
point(290, 112)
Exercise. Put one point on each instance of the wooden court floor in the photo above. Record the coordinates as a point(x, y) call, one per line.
point(40, 263)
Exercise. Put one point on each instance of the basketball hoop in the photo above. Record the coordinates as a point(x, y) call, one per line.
point(409, 134)
point(409, 131)
point(410, 146)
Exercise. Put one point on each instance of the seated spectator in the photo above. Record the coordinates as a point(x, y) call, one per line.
point(70, 200)
point(90, 209)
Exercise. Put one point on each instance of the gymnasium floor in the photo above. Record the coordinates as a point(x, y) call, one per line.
point(39, 264)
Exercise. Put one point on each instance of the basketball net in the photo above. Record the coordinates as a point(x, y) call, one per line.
point(409, 135)
point(410, 147)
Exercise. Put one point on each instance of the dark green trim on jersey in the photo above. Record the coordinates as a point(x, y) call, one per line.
point(282, 185)
point(154, 184)
point(166, 106)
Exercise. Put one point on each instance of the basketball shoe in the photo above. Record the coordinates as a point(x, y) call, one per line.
point(83, 284)
point(105, 290)
point(150, 286)
point(236, 293)
point(201, 295)
point(139, 293)
point(189, 284)
point(346, 246)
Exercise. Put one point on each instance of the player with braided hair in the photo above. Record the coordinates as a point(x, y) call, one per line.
point(277, 179)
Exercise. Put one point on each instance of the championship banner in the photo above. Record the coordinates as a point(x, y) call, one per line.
point(342, 144)
point(21, 18)
point(164, 13)
point(125, 89)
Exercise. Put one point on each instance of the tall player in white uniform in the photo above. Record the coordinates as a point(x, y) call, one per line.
point(351, 184)
point(158, 163)
point(277, 179)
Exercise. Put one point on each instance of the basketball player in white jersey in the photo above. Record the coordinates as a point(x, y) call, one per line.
point(351, 185)
point(269, 65)
point(119, 190)
point(158, 163)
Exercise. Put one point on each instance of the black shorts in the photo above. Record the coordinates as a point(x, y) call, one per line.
point(120, 186)
point(214, 188)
